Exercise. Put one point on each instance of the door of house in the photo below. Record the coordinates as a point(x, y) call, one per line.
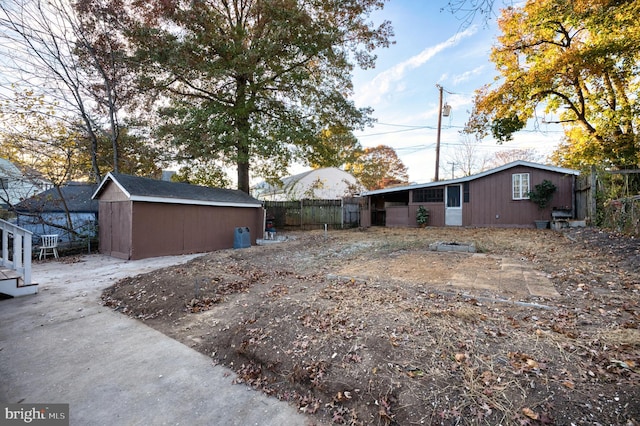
point(453, 203)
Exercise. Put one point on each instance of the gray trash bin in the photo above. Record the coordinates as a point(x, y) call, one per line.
point(241, 238)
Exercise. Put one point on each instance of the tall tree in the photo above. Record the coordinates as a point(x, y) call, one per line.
point(577, 59)
point(254, 81)
point(78, 61)
point(509, 155)
point(337, 147)
point(379, 167)
point(104, 56)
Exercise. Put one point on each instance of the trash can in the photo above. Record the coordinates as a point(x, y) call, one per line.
point(241, 238)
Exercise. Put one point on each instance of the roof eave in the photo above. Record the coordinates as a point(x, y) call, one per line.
point(167, 200)
point(474, 177)
point(109, 177)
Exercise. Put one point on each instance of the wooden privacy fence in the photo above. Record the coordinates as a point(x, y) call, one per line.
point(314, 214)
point(585, 204)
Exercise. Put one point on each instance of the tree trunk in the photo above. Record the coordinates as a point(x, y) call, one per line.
point(243, 176)
point(243, 129)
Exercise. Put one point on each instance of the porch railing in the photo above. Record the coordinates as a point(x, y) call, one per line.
point(16, 249)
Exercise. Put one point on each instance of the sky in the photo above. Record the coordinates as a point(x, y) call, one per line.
point(433, 48)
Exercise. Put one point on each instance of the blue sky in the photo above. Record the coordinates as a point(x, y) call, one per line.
point(432, 47)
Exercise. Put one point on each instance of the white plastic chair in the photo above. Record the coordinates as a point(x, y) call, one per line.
point(49, 245)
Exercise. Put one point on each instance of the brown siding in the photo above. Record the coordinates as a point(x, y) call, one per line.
point(112, 192)
point(170, 229)
point(115, 228)
point(399, 216)
point(436, 213)
point(491, 202)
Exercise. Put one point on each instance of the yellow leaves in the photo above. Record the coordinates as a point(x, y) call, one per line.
point(549, 52)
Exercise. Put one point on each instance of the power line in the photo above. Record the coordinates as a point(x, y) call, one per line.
point(400, 125)
point(396, 131)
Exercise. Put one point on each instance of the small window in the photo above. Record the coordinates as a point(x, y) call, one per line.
point(465, 191)
point(4, 183)
point(520, 186)
point(428, 195)
point(453, 196)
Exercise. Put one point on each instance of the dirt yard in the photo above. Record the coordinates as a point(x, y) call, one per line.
point(371, 327)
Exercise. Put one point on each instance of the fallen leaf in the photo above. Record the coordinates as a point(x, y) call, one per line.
point(530, 413)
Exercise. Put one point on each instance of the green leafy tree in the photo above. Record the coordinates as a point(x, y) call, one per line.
point(577, 60)
point(254, 82)
point(205, 173)
point(379, 167)
point(337, 147)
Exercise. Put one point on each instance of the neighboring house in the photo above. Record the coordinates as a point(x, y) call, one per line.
point(496, 197)
point(46, 213)
point(328, 183)
point(15, 186)
point(142, 217)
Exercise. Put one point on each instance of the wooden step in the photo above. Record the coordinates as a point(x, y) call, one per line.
point(12, 284)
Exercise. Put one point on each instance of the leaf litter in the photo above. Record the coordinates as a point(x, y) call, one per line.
point(370, 327)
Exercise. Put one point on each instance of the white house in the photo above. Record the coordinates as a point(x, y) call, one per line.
point(328, 183)
point(15, 186)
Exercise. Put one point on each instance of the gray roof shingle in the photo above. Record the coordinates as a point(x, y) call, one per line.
point(147, 189)
point(77, 197)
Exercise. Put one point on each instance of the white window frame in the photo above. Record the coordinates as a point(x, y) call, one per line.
point(518, 191)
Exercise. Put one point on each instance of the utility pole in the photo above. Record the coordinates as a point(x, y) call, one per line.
point(438, 136)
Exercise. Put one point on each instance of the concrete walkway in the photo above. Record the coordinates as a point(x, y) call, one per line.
point(62, 346)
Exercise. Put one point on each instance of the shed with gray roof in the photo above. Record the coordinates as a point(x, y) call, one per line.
point(142, 217)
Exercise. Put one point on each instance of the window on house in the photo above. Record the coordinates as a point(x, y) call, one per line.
point(4, 183)
point(428, 195)
point(465, 190)
point(520, 186)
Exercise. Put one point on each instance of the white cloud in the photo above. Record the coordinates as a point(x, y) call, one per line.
point(389, 80)
point(467, 75)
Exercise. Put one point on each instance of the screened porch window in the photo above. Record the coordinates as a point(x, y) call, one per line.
point(520, 186)
point(428, 195)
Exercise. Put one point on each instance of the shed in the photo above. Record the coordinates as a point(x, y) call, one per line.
point(46, 212)
point(494, 198)
point(142, 217)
